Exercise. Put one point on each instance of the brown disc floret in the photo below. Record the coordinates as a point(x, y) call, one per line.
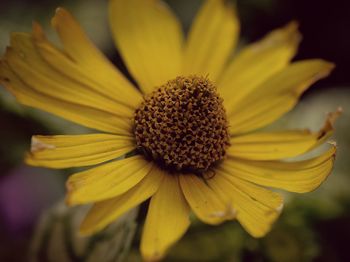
point(182, 125)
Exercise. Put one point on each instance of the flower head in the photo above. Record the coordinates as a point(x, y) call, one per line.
point(191, 123)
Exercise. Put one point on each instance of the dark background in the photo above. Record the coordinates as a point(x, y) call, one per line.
point(324, 25)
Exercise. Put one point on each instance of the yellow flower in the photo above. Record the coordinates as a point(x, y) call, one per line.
point(191, 124)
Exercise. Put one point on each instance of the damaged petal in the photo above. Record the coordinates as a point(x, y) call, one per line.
point(328, 126)
point(333, 143)
point(280, 208)
point(229, 214)
point(37, 145)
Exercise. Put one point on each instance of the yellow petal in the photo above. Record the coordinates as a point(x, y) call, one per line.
point(212, 39)
point(167, 219)
point(106, 181)
point(204, 202)
point(255, 63)
point(279, 145)
point(116, 89)
point(32, 69)
point(276, 96)
point(150, 40)
point(105, 212)
point(77, 150)
point(26, 63)
point(300, 176)
point(84, 115)
point(83, 52)
point(256, 208)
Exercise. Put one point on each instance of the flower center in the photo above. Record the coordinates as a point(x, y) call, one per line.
point(182, 125)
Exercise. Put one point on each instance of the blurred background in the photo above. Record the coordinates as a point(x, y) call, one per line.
point(313, 227)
